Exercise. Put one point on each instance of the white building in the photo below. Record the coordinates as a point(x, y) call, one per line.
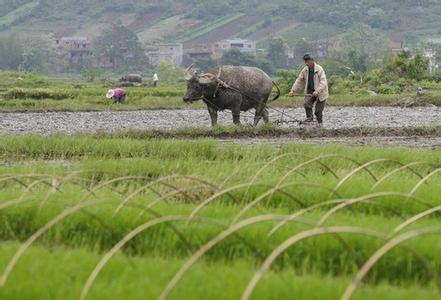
point(245, 46)
point(431, 52)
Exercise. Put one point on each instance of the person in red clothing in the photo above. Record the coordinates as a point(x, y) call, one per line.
point(118, 95)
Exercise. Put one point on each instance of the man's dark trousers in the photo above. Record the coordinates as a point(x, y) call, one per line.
point(319, 108)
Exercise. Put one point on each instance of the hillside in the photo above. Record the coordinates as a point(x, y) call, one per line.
point(204, 22)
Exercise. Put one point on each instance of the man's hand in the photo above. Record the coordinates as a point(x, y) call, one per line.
point(315, 94)
point(291, 94)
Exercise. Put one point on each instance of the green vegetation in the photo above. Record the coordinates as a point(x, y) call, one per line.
point(30, 53)
point(121, 47)
point(363, 48)
point(194, 191)
point(150, 276)
point(22, 91)
point(237, 58)
point(401, 74)
point(37, 94)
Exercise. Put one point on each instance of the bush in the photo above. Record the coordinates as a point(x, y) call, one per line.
point(402, 84)
point(386, 89)
point(342, 86)
point(362, 92)
point(437, 76)
point(286, 79)
point(39, 94)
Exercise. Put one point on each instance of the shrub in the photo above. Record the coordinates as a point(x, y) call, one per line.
point(286, 78)
point(402, 84)
point(362, 92)
point(386, 89)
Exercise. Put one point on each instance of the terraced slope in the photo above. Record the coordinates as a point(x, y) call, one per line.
point(276, 28)
point(414, 18)
point(18, 13)
point(224, 31)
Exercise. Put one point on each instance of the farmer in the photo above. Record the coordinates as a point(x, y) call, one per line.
point(155, 80)
point(118, 95)
point(312, 80)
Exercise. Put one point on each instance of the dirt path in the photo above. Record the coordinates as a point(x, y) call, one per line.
point(90, 122)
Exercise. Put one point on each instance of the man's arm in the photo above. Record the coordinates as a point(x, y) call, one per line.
point(322, 84)
point(299, 84)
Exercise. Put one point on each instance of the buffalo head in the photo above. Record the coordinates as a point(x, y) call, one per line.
point(196, 84)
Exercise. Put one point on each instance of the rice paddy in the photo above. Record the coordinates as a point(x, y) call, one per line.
point(85, 217)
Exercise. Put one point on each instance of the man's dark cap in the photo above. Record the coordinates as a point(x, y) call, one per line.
point(307, 57)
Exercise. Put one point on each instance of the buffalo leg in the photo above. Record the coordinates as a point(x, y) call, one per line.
point(236, 112)
point(236, 117)
point(266, 116)
point(261, 112)
point(257, 119)
point(213, 115)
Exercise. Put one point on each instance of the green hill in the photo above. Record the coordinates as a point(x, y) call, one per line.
point(186, 20)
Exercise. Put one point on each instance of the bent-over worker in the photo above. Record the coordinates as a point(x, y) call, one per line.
point(118, 95)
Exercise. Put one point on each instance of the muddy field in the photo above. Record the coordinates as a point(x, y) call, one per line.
point(90, 122)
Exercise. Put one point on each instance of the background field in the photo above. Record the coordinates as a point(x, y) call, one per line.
point(30, 92)
point(108, 186)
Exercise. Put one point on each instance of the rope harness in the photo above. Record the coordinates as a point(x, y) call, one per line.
point(223, 84)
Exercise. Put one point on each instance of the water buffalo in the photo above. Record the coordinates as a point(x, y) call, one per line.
point(133, 78)
point(233, 88)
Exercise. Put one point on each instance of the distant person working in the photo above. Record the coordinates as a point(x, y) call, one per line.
point(155, 80)
point(312, 80)
point(118, 95)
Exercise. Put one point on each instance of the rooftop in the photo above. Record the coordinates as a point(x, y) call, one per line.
point(170, 44)
point(237, 41)
point(73, 38)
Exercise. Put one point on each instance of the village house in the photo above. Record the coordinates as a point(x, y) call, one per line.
point(75, 48)
point(396, 45)
point(198, 52)
point(245, 46)
point(169, 52)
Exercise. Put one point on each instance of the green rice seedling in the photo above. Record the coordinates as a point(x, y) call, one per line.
point(381, 252)
point(201, 209)
point(144, 277)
